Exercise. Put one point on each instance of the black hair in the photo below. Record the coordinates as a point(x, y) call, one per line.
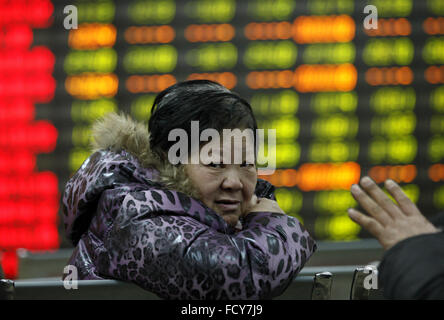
point(208, 102)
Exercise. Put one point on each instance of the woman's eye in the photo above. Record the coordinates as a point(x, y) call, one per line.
point(247, 164)
point(214, 165)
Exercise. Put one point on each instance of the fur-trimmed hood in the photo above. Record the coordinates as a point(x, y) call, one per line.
point(118, 132)
point(122, 162)
point(121, 158)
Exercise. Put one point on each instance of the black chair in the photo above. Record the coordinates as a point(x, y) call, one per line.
point(6, 289)
point(317, 287)
point(303, 288)
point(86, 290)
point(322, 286)
point(365, 286)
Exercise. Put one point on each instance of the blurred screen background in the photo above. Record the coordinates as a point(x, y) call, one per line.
point(345, 100)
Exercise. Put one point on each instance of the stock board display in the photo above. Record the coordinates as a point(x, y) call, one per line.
point(345, 100)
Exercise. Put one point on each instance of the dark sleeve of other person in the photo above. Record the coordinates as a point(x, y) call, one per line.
point(414, 267)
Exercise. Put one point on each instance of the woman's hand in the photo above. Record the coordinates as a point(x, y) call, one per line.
point(263, 205)
point(387, 221)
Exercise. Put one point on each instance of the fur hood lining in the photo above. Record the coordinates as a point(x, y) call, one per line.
point(118, 132)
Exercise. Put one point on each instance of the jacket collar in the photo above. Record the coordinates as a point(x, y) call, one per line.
point(117, 132)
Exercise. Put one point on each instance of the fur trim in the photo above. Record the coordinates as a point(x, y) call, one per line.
point(120, 132)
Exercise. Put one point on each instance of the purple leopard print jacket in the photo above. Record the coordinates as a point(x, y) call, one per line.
point(126, 225)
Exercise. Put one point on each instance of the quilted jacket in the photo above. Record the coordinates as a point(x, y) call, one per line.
point(131, 222)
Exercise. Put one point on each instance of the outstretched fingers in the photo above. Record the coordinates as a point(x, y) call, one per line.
point(368, 223)
point(369, 205)
point(381, 198)
point(406, 205)
point(387, 221)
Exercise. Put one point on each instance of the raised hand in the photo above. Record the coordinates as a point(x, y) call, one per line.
point(387, 221)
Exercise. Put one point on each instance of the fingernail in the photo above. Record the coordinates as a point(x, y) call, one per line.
point(354, 187)
point(390, 183)
point(351, 212)
point(366, 181)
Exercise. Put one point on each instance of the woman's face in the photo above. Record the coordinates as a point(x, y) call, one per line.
point(225, 185)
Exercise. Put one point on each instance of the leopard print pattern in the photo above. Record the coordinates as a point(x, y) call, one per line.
point(127, 227)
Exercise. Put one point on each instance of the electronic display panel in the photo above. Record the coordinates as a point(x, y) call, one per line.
point(345, 100)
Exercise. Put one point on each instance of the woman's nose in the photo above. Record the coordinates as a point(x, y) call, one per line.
point(231, 181)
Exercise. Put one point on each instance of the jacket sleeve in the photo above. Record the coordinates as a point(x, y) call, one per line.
point(177, 256)
point(414, 268)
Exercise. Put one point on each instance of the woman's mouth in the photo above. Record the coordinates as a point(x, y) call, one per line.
point(228, 204)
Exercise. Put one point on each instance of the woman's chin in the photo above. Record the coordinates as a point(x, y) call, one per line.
point(231, 219)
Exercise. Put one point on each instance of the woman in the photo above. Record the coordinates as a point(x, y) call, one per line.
point(205, 230)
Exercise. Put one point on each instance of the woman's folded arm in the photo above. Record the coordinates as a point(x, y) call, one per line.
point(178, 257)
